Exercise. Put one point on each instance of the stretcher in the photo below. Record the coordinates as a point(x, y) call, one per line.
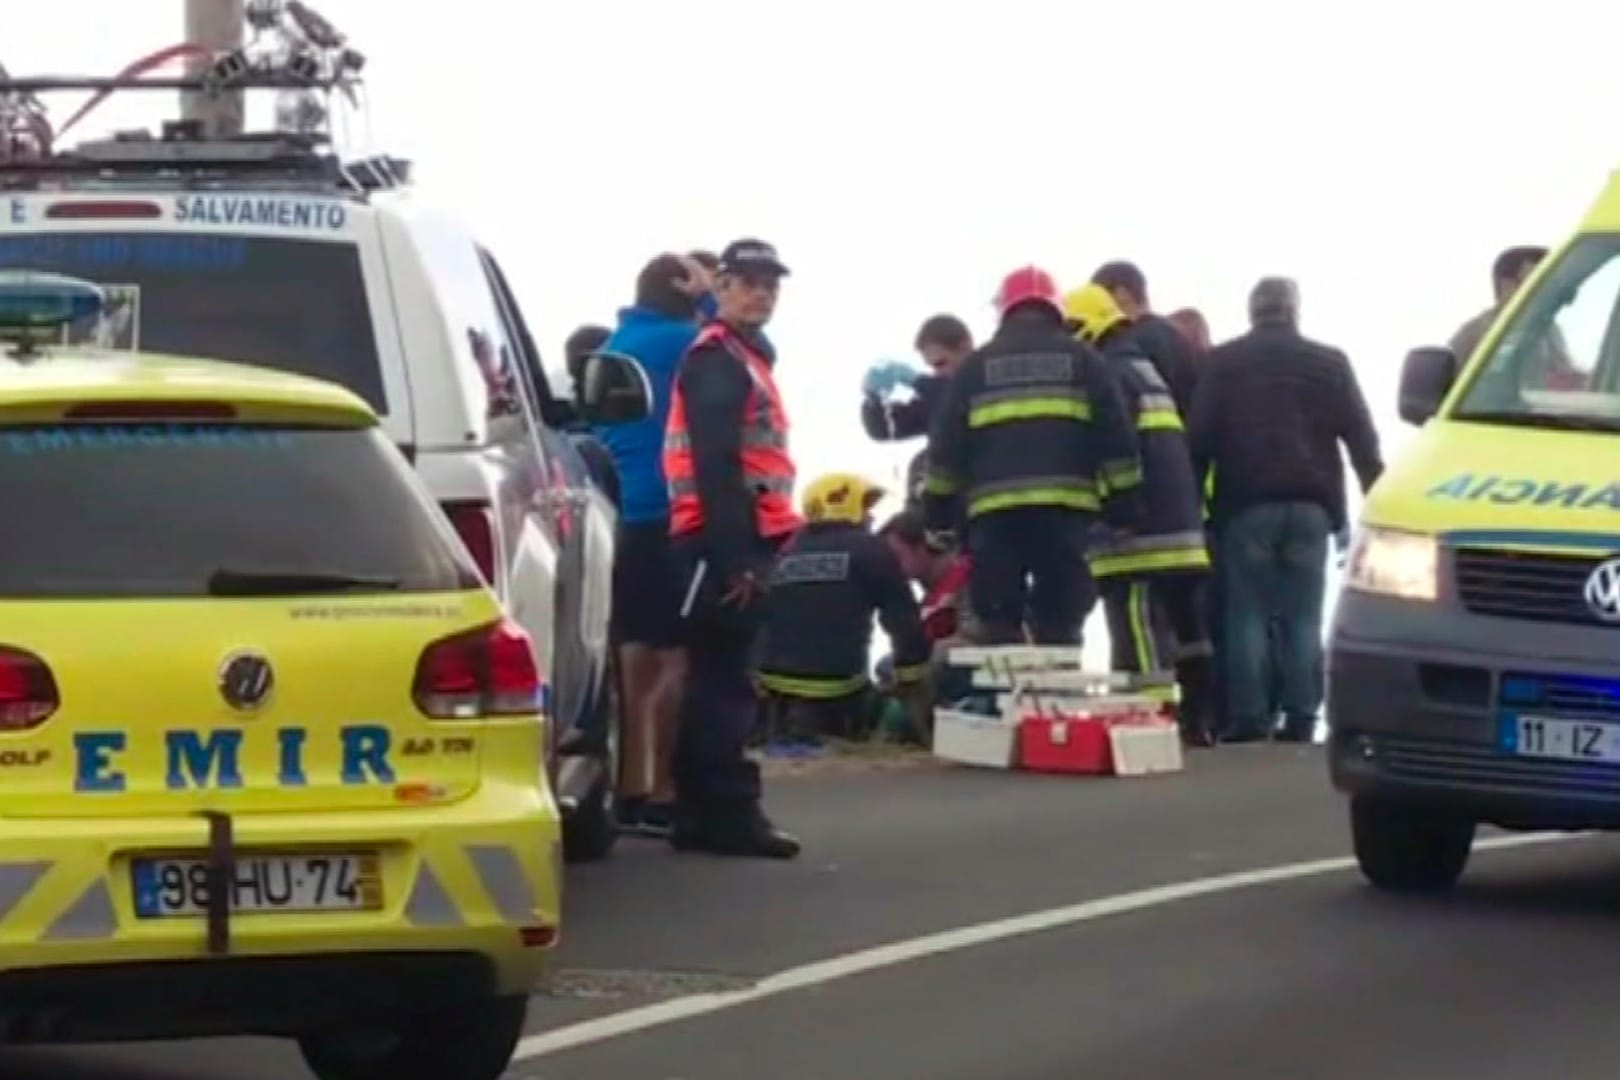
point(1039, 709)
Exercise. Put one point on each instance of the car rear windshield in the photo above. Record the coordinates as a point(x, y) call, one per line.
point(295, 305)
point(170, 510)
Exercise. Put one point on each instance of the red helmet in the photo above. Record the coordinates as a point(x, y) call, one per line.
point(1028, 284)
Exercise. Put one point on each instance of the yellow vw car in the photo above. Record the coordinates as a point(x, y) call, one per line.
point(270, 754)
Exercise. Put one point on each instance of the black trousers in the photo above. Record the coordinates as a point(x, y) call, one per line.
point(1160, 622)
point(714, 777)
point(1031, 559)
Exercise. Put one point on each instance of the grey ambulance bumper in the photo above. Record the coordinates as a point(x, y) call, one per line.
point(1411, 703)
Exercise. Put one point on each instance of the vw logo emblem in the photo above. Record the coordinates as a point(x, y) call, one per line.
point(1603, 591)
point(245, 681)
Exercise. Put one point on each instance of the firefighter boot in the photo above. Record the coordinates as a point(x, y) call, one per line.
point(1195, 674)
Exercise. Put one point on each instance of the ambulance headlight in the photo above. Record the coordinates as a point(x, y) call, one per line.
point(1391, 563)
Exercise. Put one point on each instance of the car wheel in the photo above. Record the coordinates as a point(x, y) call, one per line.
point(1410, 849)
point(468, 1042)
point(591, 830)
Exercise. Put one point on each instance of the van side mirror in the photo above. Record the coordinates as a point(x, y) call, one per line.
point(615, 390)
point(1426, 378)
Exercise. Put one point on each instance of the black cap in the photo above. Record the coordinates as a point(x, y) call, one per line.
point(751, 257)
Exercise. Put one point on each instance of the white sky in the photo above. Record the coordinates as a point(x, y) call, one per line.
point(903, 156)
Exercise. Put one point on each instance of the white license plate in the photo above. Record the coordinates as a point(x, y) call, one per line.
point(317, 881)
point(1567, 740)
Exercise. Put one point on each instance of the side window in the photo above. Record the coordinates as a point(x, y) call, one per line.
point(1565, 339)
point(552, 412)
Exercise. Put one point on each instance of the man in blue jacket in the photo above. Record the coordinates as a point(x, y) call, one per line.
point(672, 298)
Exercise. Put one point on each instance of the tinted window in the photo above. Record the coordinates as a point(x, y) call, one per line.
point(296, 305)
point(159, 510)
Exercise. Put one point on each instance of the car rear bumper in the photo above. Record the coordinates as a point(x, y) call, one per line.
point(470, 898)
point(1414, 706)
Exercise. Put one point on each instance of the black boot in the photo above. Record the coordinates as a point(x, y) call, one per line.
point(740, 832)
point(1195, 675)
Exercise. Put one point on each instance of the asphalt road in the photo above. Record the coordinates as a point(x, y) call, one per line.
point(1314, 975)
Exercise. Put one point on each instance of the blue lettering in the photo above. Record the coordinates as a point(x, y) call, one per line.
point(366, 747)
point(19, 212)
point(292, 756)
point(1553, 492)
point(1609, 497)
point(1484, 486)
point(19, 443)
point(222, 752)
point(1522, 490)
point(1455, 488)
point(282, 213)
point(94, 769)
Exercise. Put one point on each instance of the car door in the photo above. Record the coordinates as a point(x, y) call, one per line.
point(563, 498)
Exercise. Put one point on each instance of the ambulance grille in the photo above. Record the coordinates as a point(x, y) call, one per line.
point(1525, 585)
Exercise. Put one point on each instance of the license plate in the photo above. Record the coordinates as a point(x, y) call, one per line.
point(1566, 740)
point(319, 881)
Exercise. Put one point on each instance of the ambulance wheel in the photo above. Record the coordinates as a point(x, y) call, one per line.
point(1409, 849)
point(470, 1042)
point(591, 829)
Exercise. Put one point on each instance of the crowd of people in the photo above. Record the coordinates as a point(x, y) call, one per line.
point(1091, 450)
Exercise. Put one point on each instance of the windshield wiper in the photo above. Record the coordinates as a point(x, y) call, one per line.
point(227, 581)
point(1555, 421)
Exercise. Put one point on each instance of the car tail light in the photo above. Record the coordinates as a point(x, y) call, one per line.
point(28, 694)
point(475, 524)
point(487, 671)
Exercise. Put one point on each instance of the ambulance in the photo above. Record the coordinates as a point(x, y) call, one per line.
point(1474, 658)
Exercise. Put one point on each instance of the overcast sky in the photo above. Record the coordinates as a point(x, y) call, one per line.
point(903, 156)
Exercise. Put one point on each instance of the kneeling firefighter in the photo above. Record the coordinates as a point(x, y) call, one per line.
point(824, 587)
point(1153, 578)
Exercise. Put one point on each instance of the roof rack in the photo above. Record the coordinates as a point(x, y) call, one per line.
point(293, 51)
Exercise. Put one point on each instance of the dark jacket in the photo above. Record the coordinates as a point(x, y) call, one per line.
point(907, 420)
point(715, 385)
point(1032, 418)
point(825, 586)
point(1169, 536)
point(1172, 354)
point(1271, 410)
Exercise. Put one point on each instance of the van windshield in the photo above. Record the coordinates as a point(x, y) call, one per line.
point(295, 305)
point(191, 510)
point(1558, 363)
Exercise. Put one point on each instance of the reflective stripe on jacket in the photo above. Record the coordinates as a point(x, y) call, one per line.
point(1170, 536)
point(767, 469)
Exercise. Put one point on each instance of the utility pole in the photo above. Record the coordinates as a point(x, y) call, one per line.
point(218, 26)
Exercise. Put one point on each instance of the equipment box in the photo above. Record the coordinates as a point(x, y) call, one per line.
point(971, 738)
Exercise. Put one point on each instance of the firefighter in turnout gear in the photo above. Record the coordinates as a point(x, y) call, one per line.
point(825, 586)
point(1153, 578)
point(1035, 437)
point(731, 507)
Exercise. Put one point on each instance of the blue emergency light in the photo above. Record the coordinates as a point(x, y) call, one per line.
point(33, 300)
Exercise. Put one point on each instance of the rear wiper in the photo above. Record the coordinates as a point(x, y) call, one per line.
point(227, 581)
point(1556, 421)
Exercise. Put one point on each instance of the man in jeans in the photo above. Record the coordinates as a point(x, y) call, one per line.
point(1269, 414)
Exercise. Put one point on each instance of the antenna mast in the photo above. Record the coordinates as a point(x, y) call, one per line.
point(220, 28)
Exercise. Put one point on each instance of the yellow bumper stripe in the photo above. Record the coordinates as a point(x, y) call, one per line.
point(504, 882)
point(17, 880)
point(429, 904)
point(89, 917)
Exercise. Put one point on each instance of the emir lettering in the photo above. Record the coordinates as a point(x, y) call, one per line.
point(242, 210)
point(197, 760)
point(1516, 491)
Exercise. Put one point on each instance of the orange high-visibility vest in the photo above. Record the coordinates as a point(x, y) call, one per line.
point(767, 469)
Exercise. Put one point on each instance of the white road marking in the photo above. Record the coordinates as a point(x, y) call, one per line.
point(904, 952)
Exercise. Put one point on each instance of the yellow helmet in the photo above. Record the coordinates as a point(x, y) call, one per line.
point(841, 497)
point(1091, 311)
